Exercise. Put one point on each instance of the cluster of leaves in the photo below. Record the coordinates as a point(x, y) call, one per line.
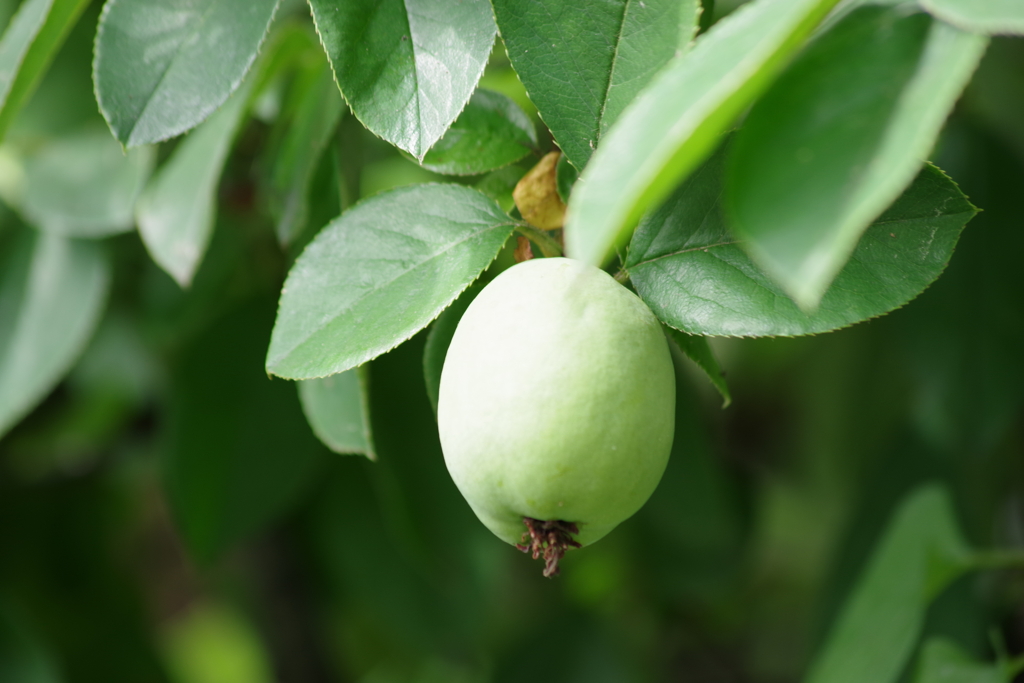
point(763, 175)
point(785, 230)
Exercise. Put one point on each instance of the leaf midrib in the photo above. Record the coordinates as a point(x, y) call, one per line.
point(683, 251)
point(355, 302)
point(725, 244)
point(611, 72)
point(170, 64)
point(416, 79)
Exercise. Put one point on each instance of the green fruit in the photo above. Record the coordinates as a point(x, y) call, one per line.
point(557, 401)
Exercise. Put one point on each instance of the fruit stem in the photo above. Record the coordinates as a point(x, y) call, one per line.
point(550, 538)
point(523, 251)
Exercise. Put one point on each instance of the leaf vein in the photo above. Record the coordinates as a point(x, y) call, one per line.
point(611, 72)
point(170, 64)
point(684, 251)
point(387, 283)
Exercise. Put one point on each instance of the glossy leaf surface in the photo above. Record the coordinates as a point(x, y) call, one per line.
point(317, 114)
point(337, 408)
point(838, 137)
point(920, 554)
point(406, 67)
point(52, 293)
point(380, 273)
point(680, 118)
point(491, 132)
point(697, 349)
point(163, 66)
point(85, 185)
point(27, 47)
point(693, 274)
point(581, 68)
point(176, 211)
point(990, 16)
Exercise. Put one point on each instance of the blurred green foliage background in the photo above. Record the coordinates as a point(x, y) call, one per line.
point(150, 529)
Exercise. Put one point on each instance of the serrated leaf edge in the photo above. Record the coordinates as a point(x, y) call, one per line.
point(379, 350)
point(131, 141)
point(973, 212)
point(334, 73)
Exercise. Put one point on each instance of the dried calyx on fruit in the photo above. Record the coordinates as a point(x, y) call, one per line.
point(556, 406)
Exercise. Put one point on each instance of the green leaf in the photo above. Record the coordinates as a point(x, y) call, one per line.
point(176, 211)
point(498, 185)
point(380, 273)
point(52, 293)
point(491, 132)
point(327, 197)
point(943, 661)
point(695, 277)
point(27, 47)
point(85, 185)
point(438, 340)
point(707, 16)
point(581, 68)
point(337, 408)
point(406, 67)
point(17, 39)
point(677, 121)
point(697, 349)
point(838, 137)
point(317, 114)
point(566, 176)
point(163, 66)
point(920, 554)
point(292, 44)
point(990, 16)
point(239, 450)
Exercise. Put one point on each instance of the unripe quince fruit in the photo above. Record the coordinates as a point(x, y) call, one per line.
point(557, 403)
